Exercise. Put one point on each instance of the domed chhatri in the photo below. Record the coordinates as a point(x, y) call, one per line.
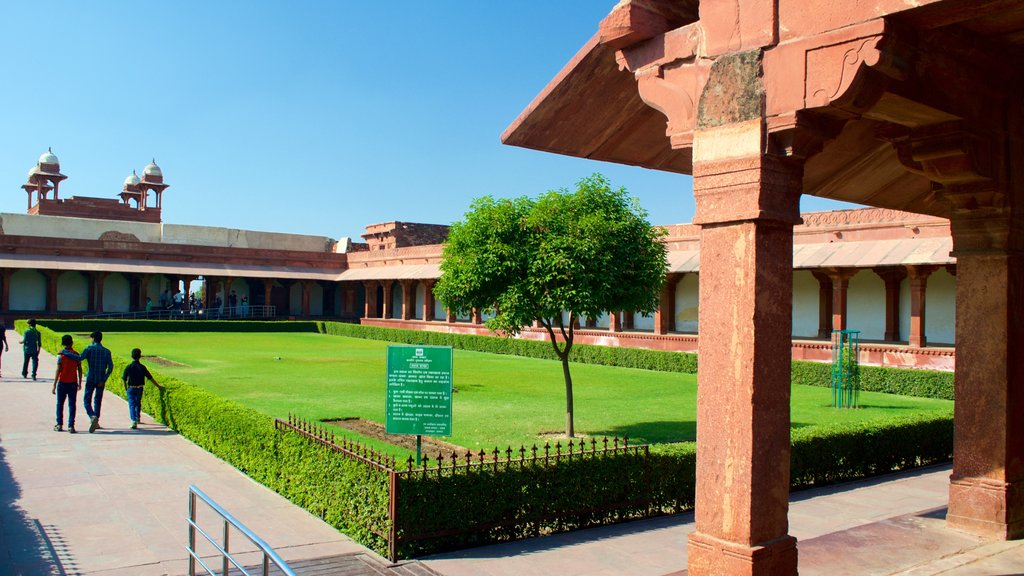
point(132, 179)
point(152, 170)
point(49, 158)
point(32, 172)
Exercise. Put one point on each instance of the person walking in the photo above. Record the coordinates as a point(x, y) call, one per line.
point(3, 336)
point(134, 378)
point(100, 367)
point(66, 383)
point(31, 342)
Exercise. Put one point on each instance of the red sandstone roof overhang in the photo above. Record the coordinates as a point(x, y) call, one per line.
point(593, 110)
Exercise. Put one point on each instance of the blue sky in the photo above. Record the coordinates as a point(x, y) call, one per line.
point(303, 117)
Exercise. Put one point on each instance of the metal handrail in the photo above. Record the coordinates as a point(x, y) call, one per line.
point(224, 313)
point(269, 555)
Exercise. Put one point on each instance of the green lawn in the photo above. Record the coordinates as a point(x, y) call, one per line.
point(500, 400)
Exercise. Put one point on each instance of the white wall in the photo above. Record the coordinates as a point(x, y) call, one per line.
point(940, 308)
point(396, 301)
point(28, 290)
point(642, 322)
point(905, 309)
point(806, 293)
point(687, 303)
point(316, 300)
point(440, 314)
point(865, 305)
point(75, 228)
point(72, 292)
point(117, 293)
point(421, 295)
point(602, 321)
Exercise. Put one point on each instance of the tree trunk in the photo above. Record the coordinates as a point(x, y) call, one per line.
point(569, 429)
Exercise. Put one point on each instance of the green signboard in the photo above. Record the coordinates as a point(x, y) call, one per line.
point(419, 390)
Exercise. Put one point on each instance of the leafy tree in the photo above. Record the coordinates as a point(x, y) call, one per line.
point(579, 253)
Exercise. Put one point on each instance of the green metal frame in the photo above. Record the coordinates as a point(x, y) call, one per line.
point(845, 368)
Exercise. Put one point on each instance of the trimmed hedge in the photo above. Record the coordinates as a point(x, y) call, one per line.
point(80, 325)
point(906, 382)
point(354, 497)
point(659, 360)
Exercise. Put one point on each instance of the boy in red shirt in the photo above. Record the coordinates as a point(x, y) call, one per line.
point(66, 383)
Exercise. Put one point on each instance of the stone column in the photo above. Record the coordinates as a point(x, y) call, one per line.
point(449, 316)
point(428, 300)
point(747, 204)
point(51, 290)
point(590, 323)
point(665, 315)
point(892, 278)
point(918, 286)
point(99, 278)
point(386, 305)
point(268, 291)
point(475, 317)
point(986, 493)
point(614, 324)
point(143, 289)
point(5, 290)
point(840, 286)
point(370, 303)
point(824, 303)
point(628, 315)
point(307, 289)
point(408, 299)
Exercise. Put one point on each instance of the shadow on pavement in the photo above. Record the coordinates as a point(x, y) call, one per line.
point(27, 547)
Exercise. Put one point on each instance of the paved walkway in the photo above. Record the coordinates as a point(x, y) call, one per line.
point(114, 503)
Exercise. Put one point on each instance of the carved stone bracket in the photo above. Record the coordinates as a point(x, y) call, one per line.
point(670, 78)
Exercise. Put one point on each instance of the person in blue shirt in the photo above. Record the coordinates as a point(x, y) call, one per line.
point(134, 377)
point(100, 367)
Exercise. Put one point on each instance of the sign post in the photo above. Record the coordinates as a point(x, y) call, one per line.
point(419, 391)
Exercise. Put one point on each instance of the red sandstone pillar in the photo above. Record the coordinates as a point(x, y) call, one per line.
point(449, 316)
point(476, 317)
point(268, 291)
point(386, 306)
point(143, 290)
point(665, 315)
point(986, 493)
point(5, 290)
point(307, 289)
point(428, 300)
point(918, 286)
point(408, 299)
point(627, 318)
point(747, 204)
point(590, 323)
point(840, 286)
point(51, 290)
point(370, 304)
point(614, 324)
point(99, 279)
point(824, 303)
point(892, 278)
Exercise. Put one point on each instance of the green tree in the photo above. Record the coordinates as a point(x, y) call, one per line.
point(580, 253)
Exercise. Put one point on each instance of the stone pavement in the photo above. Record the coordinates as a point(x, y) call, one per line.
point(114, 503)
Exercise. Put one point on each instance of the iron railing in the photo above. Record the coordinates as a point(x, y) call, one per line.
point(227, 560)
point(259, 312)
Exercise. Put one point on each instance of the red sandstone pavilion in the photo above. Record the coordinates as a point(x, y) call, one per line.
point(911, 106)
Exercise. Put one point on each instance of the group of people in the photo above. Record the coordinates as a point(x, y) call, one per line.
point(68, 379)
point(177, 301)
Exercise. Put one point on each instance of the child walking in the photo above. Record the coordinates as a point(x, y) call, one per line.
point(134, 377)
point(66, 383)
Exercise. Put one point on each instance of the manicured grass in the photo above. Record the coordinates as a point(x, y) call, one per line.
point(501, 400)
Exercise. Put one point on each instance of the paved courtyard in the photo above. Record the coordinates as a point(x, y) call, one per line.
point(115, 502)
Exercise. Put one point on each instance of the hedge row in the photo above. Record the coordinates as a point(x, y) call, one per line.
point(80, 325)
point(659, 360)
point(905, 382)
point(923, 383)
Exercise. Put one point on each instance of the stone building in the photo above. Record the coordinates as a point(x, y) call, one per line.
point(882, 272)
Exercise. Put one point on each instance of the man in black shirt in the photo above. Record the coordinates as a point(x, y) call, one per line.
point(134, 377)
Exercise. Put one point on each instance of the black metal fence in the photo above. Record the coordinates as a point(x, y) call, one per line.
point(458, 500)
